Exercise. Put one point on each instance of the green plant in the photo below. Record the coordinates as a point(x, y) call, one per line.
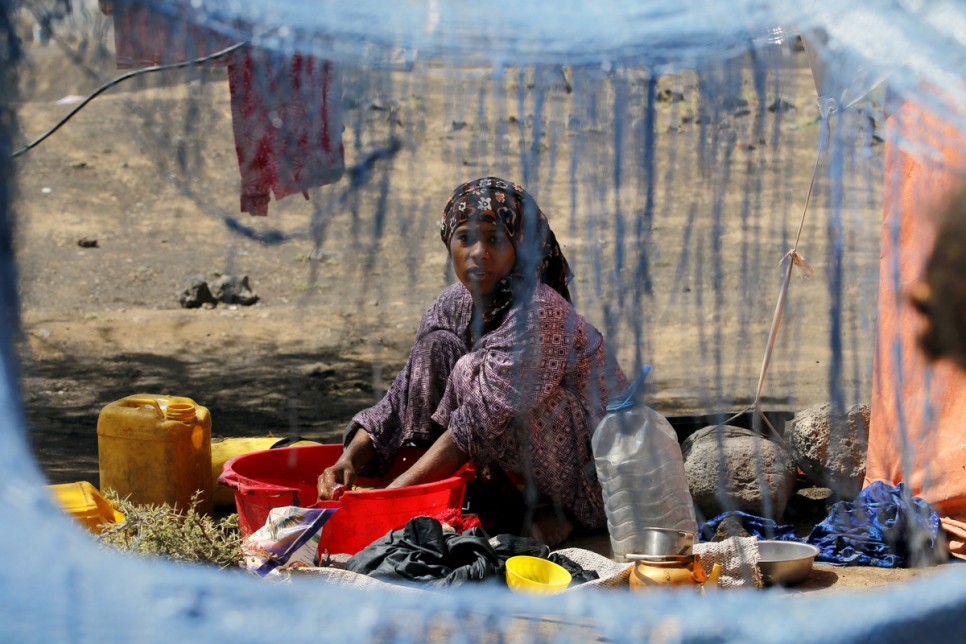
point(182, 536)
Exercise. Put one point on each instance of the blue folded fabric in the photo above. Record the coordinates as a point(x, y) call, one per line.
point(755, 526)
point(878, 529)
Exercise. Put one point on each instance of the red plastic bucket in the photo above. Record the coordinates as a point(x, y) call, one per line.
point(288, 476)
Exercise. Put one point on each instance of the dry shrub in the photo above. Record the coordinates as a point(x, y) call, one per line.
point(181, 536)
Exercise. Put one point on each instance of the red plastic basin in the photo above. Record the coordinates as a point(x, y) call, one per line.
point(288, 476)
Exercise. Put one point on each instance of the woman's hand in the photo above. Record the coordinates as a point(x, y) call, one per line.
point(359, 452)
point(342, 473)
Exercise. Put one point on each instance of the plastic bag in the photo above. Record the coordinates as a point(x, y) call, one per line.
point(289, 539)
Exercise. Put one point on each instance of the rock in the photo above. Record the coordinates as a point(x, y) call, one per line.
point(809, 505)
point(726, 467)
point(318, 370)
point(353, 385)
point(730, 527)
point(732, 103)
point(668, 95)
point(325, 256)
point(832, 452)
point(197, 294)
point(87, 242)
point(781, 105)
point(814, 494)
point(232, 289)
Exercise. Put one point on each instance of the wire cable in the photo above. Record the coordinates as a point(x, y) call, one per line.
point(147, 70)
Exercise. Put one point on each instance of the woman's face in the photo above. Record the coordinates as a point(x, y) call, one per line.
point(482, 256)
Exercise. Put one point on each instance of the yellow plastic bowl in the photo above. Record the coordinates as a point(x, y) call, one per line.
point(535, 576)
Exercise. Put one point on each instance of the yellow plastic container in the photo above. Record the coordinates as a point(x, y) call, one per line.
point(228, 448)
point(535, 576)
point(86, 504)
point(156, 449)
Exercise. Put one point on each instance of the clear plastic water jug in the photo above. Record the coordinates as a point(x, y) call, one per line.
point(641, 472)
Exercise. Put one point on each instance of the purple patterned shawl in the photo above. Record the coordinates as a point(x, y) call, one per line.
point(526, 396)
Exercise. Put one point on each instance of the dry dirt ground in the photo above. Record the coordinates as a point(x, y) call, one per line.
point(328, 333)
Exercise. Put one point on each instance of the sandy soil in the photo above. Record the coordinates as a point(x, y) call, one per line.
point(329, 333)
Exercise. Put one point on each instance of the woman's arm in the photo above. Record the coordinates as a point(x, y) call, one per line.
point(440, 461)
point(404, 412)
point(359, 452)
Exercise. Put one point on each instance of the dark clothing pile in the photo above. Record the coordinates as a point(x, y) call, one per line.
point(421, 552)
point(883, 527)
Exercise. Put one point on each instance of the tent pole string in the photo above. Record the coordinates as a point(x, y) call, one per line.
point(794, 260)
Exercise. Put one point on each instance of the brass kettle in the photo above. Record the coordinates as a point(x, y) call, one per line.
point(649, 572)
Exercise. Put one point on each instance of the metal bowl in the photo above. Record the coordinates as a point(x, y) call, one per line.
point(662, 542)
point(785, 563)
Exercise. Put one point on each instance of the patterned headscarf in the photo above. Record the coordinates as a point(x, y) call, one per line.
point(504, 203)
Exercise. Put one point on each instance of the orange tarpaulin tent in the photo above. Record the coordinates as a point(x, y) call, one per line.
point(918, 425)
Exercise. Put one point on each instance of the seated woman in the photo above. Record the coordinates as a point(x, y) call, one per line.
point(503, 371)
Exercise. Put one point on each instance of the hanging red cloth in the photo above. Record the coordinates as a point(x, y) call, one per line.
point(144, 37)
point(287, 122)
point(286, 109)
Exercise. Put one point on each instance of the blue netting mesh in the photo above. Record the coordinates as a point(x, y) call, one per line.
point(672, 147)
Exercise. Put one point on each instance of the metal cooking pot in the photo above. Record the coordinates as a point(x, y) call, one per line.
point(662, 542)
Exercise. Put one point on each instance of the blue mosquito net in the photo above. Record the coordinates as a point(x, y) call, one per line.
point(671, 143)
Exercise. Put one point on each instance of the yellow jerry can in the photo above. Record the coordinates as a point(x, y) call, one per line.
point(82, 501)
point(156, 449)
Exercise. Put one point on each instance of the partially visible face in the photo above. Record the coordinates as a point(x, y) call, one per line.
point(482, 255)
point(940, 295)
